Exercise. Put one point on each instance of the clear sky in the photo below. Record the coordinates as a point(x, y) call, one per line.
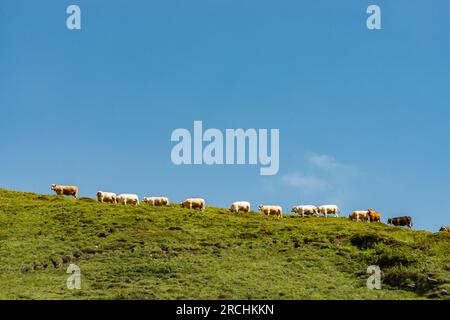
point(363, 114)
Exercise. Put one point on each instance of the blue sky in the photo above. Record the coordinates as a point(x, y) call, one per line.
point(363, 115)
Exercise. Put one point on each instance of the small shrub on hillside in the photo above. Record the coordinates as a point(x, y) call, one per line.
point(368, 241)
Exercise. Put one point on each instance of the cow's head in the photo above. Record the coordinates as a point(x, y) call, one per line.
point(389, 221)
point(53, 186)
point(260, 207)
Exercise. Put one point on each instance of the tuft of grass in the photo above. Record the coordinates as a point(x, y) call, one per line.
point(145, 252)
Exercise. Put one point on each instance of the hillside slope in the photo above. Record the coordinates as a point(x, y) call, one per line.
point(172, 253)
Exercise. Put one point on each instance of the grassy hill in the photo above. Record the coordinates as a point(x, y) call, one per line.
point(172, 253)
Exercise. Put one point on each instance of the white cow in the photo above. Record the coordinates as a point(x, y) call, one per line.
point(128, 198)
point(329, 209)
point(240, 206)
point(306, 210)
point(194, 203)
point(359, 215)
point(156, 201)
point(106, 197)
point(271, 210)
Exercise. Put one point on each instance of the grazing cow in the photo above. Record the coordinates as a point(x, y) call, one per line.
point(306, 210)
point(271, 210)
point(401, 221)
point(329, 209)
point(193, 203)
point(128, 199)
point(359, 215)
point(106, 197)
point(65, 190)
point(156, 201)
point(238, 206)
point(374, 216)
point(445, 229)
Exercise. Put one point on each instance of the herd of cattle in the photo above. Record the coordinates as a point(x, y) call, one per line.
point(368, 215)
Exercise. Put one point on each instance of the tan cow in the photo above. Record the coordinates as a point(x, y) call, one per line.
point(238, 206)
point(106, 197)
point(374, 216)
point(271, 210)
point(65, 190)
point(193, 203)
point(156, 201)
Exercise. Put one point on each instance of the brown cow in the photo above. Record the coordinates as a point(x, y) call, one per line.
point(65, 190)
point(445, 229)
point(401, 221)
point(374, 216)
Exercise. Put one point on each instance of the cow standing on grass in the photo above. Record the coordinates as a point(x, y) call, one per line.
point(401, 221)
point(329, 209)
point(106, 197)
point(306, 210)
point(359, 215)
point(271, 210)
point(239, 206)
point(194, 203)
point(65, 190)
point(128, 199)
point(156, 201)
point(374, 216)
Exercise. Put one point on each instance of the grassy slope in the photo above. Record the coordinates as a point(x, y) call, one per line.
point(170, 253)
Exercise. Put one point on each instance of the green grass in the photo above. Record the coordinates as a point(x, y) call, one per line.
point(172, 253)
